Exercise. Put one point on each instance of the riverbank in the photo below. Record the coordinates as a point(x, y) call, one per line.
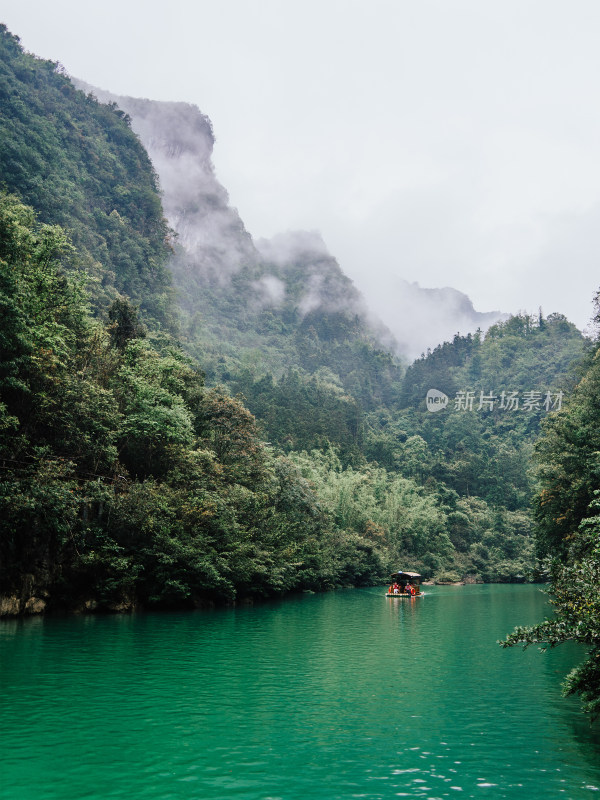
point(35, 601)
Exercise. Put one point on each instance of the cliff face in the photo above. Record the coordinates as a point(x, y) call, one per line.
point(292, 269)
point(179, 140)
point(217, 266)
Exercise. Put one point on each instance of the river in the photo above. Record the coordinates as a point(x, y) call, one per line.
point(341, 695)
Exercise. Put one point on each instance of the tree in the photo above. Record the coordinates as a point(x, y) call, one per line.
point(568, 518)
point(156, 418)
point(79, 165)
point(575, 594)
point(126, 323)
point(569, 458)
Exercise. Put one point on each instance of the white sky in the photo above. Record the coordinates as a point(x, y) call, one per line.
point(449, 142)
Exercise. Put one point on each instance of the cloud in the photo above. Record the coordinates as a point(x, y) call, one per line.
point(270, 291)
point(421, 318)
point(297, 265)
point(179, 140)
point(287, 247)
point(443, 142)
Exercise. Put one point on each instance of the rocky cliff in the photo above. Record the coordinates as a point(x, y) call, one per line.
point(214, 245)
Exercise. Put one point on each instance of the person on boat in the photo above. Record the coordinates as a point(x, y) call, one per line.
point(395, 589)
point(410, 589)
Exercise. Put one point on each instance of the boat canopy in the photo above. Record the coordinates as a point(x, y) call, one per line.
point(412, 577)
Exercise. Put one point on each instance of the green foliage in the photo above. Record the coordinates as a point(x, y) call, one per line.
point(156, 419)
point(415, 526)
point(127, 482)
point(302, 413)
point(473, 468)
point(568, 532)
point(487, 452)
point(575, 594)
point(45, 342)
point(569, 464)
point(80, 166)
point(125, 321)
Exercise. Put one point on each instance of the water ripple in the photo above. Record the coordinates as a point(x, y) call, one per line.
point(322, 697)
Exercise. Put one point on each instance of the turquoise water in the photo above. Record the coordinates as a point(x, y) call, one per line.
point(344, 695)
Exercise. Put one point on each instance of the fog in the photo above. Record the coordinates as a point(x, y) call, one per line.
point(179, 139)
point(443, 144)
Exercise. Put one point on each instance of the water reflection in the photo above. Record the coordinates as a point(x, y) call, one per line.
point(344, 695)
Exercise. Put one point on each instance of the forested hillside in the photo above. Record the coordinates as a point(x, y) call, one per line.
point(499, 389)
point(204, 418)
point(124, 481)
point(79, 165)
point(452, 489)
point(278, 322)
point(567, 511)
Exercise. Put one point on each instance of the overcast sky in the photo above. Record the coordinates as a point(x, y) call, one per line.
point(448, 142)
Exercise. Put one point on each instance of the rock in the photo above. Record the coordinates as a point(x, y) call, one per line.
point(9, 606)
point(35, 605)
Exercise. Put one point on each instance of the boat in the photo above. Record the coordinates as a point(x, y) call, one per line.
point(403, 580)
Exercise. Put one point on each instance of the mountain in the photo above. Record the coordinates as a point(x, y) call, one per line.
point(252, 311)
point(125, 482)
point(215, 245)
point(422, 318)
point(179, 140)
point(79, 165)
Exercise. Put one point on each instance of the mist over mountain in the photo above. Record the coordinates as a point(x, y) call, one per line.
point(215, 245)
point(324, 285)
point(421, 318)
point(255, 309)
point(179, 140)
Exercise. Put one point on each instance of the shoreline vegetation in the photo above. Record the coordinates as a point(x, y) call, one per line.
point(16, 606)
